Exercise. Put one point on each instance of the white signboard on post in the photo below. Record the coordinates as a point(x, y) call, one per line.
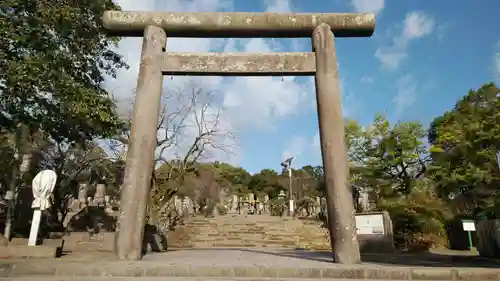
point(469, 226)
point(369, 224)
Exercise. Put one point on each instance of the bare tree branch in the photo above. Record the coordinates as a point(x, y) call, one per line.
point(190, 129)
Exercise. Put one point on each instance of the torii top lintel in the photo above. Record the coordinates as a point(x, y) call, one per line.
point(238, 25)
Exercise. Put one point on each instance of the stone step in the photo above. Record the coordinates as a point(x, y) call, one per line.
point(198, 240)
point(211, 232)
point(228, 227)
point(222, 238)
point(264, 223)
point(229, 223)
point(263, 242)
point(268, 231)
point(247, 221)
point(249, 244)
point(29, 252)
point(259, 226)
point(251, 231)
point(280, 231)
point(148, 278)
point(255, 229)
point(46, 242)
point(92, 246)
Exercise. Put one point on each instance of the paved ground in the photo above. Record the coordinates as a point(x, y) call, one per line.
point(301, 258)
point(251, 264)
point(291, 258)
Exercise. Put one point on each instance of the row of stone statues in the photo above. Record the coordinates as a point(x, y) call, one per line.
point(100, 198)
point(246, 204)
point(185, 207)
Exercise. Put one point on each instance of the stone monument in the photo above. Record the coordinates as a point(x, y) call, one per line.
point(154, 27)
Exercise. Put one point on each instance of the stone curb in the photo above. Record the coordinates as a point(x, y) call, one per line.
point(148, 269)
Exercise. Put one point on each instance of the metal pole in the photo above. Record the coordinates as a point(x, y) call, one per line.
point(469, 235)
point(290, 193)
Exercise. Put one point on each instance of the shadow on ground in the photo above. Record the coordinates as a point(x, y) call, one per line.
point(394, 259)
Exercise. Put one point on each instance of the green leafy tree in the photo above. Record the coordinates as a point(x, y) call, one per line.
point(235, 175)
point(6, 161)
point(54, 58)
point(305, 181)
point(390, 161)
point(387, 158)
point(464, 142)
point(316, 173)
point(418, 219)
point(266, 181)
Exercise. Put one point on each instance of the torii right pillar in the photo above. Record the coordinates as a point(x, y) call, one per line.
point(340, 205)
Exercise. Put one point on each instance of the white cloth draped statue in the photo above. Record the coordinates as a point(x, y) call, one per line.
point(43, 186)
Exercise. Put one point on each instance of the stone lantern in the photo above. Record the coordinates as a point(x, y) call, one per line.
point(282, 195)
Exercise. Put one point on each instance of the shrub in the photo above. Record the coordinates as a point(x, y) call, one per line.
point(418, 219)
point(221, 209)
point(306, 204)
point(277, 207)
point(209, 208)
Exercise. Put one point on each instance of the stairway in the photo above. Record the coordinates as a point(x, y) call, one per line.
point(248, 231)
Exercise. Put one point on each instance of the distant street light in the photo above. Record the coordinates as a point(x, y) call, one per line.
point(287, 166)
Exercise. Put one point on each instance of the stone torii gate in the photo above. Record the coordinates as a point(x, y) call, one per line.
point(154, 27)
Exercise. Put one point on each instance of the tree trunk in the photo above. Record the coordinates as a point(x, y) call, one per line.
point(22, 151)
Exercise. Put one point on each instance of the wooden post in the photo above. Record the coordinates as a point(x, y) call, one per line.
point(142, 145)
point(340, 207)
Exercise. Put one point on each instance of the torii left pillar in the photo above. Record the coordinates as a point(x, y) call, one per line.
point(139, 166)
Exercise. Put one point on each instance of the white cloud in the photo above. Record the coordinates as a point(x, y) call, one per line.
point(496, 62)
point(415, 26)
point(374, 6)
point(261, 101)
point(442, 29)
point(367, 80)
point(123, 88)
point(406, 94)
point(278, 6)
point(316, 141)
point(314, 150)
point(294, 147)
point(390, 58)
point(350, 105)
point(249, 102)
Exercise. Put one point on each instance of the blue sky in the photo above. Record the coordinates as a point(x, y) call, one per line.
point(423, 56)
